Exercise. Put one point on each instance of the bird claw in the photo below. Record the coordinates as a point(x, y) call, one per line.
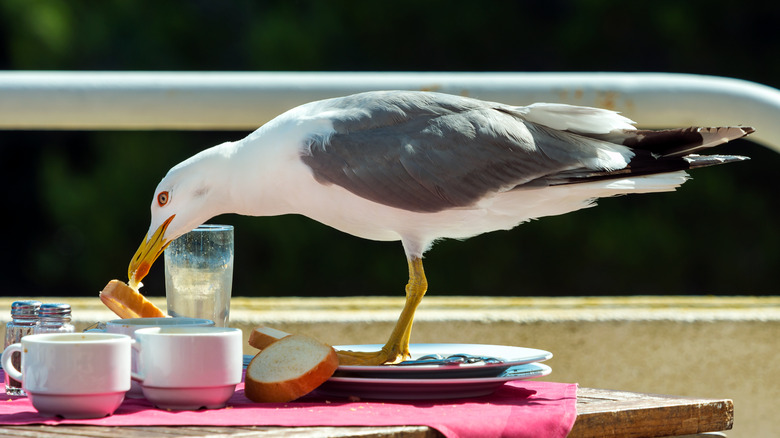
point(369, 358)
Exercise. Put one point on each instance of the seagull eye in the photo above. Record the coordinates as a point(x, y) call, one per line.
point(162, 198)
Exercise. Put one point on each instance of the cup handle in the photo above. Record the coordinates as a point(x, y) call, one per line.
point(133, 375)
point(8, 365)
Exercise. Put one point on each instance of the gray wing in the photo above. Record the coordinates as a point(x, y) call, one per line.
point(427, 152)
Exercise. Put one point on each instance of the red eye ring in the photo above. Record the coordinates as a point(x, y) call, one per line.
point(162, 198)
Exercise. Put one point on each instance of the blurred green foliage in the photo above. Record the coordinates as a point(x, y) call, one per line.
point(76, 203)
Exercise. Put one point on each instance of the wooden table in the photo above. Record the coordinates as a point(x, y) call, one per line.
point(600, 413)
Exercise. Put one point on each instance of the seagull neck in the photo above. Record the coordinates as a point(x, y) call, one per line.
point(257, 178)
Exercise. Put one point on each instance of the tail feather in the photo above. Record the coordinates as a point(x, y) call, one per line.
point(696, 161)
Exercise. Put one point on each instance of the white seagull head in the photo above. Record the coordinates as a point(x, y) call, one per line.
point(186, 197)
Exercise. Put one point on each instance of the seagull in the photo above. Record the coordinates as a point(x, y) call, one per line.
point(416, 167)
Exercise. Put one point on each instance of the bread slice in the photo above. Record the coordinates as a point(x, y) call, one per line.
point(261, 337)
point(289, 369)
point(127, 302)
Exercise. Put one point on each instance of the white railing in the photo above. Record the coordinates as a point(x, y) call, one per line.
point(245, 100)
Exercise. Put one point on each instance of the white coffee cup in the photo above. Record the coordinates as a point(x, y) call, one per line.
point(73, 375)
point(130, 325)
point(188, 367)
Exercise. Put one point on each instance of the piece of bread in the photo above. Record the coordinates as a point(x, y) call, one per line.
point(127, 302)
point(289, 369)
point(261, 337)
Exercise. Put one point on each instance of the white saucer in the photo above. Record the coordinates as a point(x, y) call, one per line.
point(76, 406)
point(189, 399)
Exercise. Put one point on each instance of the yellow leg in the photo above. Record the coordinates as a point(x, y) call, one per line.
point(397, 347)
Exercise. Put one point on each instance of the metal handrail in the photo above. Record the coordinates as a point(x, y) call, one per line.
point(246, 100)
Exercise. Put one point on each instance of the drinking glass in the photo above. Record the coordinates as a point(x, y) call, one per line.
point(199, 274)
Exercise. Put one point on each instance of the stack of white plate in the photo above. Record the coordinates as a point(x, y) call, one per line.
point(436, 381)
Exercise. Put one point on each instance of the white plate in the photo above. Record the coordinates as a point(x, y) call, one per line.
point(426, 389)
point(511, 357)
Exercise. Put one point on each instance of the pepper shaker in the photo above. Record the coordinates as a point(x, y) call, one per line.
point(54, 318)
point(24, 316)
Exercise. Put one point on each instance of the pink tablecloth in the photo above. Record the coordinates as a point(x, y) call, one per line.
point(517, 409)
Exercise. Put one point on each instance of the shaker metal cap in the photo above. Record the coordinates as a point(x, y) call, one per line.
point(25, 308)
point(54, 310)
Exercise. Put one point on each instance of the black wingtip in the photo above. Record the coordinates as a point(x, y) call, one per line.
point(680, 142)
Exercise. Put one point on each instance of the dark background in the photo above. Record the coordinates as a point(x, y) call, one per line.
point(76, 203)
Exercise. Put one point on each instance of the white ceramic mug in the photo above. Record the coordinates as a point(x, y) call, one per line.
point(73, 375)
point(130, 325)
point(188, 367)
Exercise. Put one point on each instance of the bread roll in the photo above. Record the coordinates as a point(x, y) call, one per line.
point(261, 337)
point(288, 369)
point(127, 302)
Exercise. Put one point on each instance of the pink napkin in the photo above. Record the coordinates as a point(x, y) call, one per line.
point(517, 409)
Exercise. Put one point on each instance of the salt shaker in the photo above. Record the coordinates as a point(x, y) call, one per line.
point(54, 318)
point(24, 316)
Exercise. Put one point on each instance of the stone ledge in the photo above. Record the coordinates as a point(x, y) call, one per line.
point(484, 309)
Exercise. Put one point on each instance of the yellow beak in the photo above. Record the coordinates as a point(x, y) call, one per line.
point(147, 253)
